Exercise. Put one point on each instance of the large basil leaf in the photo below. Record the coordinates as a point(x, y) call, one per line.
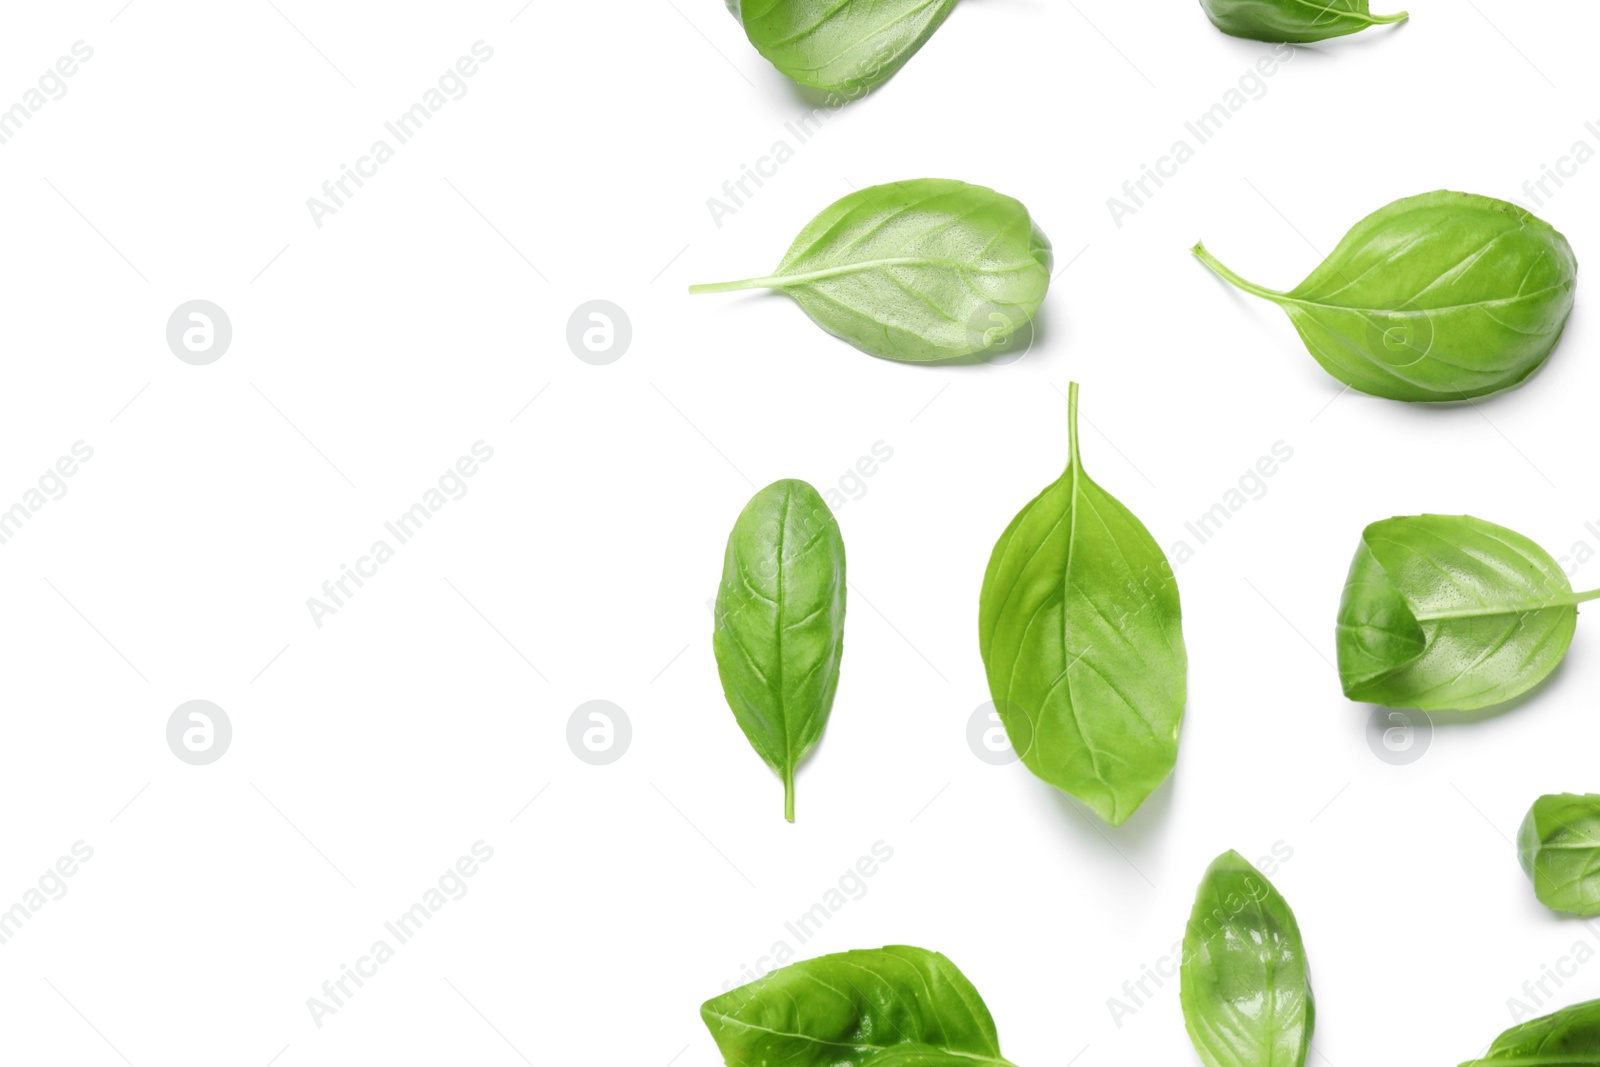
point(896, 1006)
point(1442, 296)
point(1244, 983)
point(847, 48)
point(1559, 846)
point(1293, 21)
point(780, 624)
point(919, 271)
point(1082, 641)
point(1449, 612)
point(1569, 1038)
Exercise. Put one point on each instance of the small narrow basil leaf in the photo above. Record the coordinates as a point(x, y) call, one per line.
point(1244, 982)
point(845, 48)
point(1293, 21)
point(1443, 296)
point(919, 271)
point(1559, 846)
point(780, 624)
point(1568, 1038)
point(896, 1006)
point(1449, 612)
point(1082, 640)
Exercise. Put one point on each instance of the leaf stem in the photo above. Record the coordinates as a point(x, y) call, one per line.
point(1211, 261)
point(1570, 600)
point(1384, 20)
point(1072, 424)
point(731, 287)
point(788, 795)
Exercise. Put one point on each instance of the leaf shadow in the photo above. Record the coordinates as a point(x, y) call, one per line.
point(1142, 832)
point(1494, 711)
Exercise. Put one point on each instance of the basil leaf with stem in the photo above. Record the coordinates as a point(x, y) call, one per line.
point(779, 631)
point(1443, 296)
point(1567, 1038)
point(1244, 982)
point(843, 48)
point(1082, 640)
point(1559, 847)
point(919, 271)
point(897, 1006)
point(1449, 612)
point(1294, 21)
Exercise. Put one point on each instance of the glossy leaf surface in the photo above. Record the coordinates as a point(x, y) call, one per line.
point(1244, 982)
point(846, 47)
point(1443, 296)
point(1449, 612)
point(779, 629)
point(1294, 21)
point(896, 1006)
point(919, 271)
point(1082, 639)
point(1568, 1038)
point(1559, 846)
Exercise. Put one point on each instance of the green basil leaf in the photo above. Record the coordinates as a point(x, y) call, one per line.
point(918, 271)
point(780, 624)
point(1569, 1038)
point(845, 48)
point(896, 1006)
point(1442, 296)
point(1449, 612)
point(1082, 641)
point(1294, 21)
point(1244, 982)
point(1559, 846)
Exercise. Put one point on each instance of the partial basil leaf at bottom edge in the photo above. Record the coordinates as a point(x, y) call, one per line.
point(1244, 982)
point(846, 49)
point(919, 271)
point(1559, 848)
point(1567, 1038)
point(1292, 21)
point(1438, 297)
point(1081, 633)
point(896, 1006)
point(779, 628)
point(1451, 613)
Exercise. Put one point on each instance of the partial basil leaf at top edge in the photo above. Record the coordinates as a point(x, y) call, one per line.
point(918, 271)
point(1443, 296)
point(779, 629)
point(844, 48)
point(1082, 640)
point(1559, 846)
point(1568, 1038)
point(1244, 982)
point(1451, 613)
point(1292, 21)
point(896, 1006)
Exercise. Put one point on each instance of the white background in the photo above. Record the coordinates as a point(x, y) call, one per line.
point(369, 753)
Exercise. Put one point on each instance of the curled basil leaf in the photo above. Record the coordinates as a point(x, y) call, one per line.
point(1449, 612)
point(896, 1006)
point(1082, 640)
point(1294, 21)
point(1559, 846)
point(844, 48)
point(780, 624)
point(919, 271)
point(1568, 1038)
point(1443, 296)
point(1244, 982)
